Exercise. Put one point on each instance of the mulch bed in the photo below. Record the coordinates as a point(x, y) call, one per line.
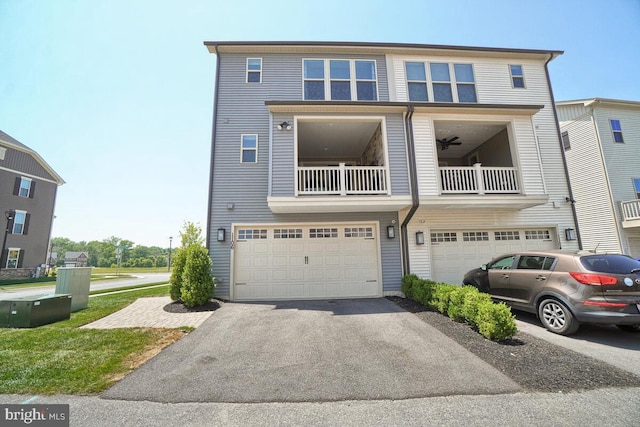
point(178, 307)
point(536, 365)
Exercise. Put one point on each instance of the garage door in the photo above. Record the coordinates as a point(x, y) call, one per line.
point(302, 262)
point(453, 253)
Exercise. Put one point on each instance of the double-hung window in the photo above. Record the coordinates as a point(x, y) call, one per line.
point(254, 70)
point(441, 82)
point(19, 223)
point(340, 80)
point(517, 76)
point(416, 81)
point(13, 258)
point(249, 149)
point(617, 130)
point(25, 187)
point(636, 186)
point(465, 82)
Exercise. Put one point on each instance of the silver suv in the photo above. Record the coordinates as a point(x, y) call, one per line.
point(565, 288)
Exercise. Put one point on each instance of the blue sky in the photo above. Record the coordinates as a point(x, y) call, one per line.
point(117, 95)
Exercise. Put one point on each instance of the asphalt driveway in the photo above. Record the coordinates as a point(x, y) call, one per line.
point(311, 351)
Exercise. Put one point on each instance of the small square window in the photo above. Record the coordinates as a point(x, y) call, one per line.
point(517, 76)
point(617, 131)
point(249, 149)
point(254, 70)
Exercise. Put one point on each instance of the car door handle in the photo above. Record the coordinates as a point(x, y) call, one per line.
point(505, 276)
point(540, 278)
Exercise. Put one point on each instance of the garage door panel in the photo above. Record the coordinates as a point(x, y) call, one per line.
point(457, 252)
point(314, 262)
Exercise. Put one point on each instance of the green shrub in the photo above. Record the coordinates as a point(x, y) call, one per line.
point(471, 305)
point(177, 268)
point(495, 321)
point(197, 282)
point(457, 297)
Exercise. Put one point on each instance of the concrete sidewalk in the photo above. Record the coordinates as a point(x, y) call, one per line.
point(306, 351)
point(149, 313)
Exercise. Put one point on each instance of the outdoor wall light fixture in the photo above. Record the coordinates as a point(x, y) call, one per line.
point(570, 234)
point(391, 232)
point(419, 238)
point(220, 234)
point(284, 125)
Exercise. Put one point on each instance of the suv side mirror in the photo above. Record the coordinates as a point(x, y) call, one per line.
point(483, 267)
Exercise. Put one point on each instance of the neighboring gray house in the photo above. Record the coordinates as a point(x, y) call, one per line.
point(602, 145)
point(76, 259)
point(28, 187)
point(338, 167)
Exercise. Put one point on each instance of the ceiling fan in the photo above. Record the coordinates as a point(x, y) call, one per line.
point(445, 143)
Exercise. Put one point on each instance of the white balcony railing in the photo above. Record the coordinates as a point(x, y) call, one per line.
point(342, 180)
point(631, 210)
point(478, 180)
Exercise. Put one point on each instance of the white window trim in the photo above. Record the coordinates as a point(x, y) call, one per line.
point(524, 82)
point(352, 78)
point(3, 150)
point(13, 228)
point(613, 132)
point(252, 71)
point(242, 149)
point(8, 258)
point(453, 82)
point(23, 178)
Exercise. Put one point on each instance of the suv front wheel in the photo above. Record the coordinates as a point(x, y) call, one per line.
point(557, 318)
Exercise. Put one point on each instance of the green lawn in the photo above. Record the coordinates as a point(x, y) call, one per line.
point(62, 359)
point(113, 271)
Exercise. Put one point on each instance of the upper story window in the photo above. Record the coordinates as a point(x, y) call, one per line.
point(565, 140)
point(445, 82)
point(636, 186)
point(340, 80)
point(254, 70)
point(416, 81)
point(19, 223)
point(249, 149)
point(617, 130)
point(517, 76)
point(24, 187)
point(465, 82)
point(441, 79)
point(2, 152)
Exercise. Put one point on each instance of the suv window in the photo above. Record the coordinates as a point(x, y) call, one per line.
point(535, 262)
point(615, 264)
point(502, 264)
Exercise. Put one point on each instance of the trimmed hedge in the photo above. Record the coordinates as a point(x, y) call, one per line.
point(463, 304)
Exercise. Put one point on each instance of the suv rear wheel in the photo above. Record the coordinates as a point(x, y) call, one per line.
point(557, 318)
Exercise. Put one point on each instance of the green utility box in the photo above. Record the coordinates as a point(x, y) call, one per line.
point(74, 281)
point(31, 311)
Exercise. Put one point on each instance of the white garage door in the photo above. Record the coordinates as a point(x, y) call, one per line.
point(306, 262)
point(453, 253)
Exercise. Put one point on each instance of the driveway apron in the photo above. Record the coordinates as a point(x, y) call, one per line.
point(306, 351)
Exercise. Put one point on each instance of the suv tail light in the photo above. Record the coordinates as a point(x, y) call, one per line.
point(593, 279)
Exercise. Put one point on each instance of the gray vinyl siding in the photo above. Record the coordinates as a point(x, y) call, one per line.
point(241, 110)
point(25, 163)
point(594, 209)
point(40, 209)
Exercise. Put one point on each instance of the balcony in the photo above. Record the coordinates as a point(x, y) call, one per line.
point(479, 180)
point(342, 180)
point(630, 213)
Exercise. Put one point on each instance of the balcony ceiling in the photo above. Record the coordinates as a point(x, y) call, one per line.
point(471, 135)
point(334, 139)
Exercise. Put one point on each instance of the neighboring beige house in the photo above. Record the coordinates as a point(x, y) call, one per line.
point(602, 147)
point(76, 259)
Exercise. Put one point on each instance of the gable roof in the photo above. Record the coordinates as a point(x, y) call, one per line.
point(9, 141)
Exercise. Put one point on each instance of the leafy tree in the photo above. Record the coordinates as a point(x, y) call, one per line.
point(178, 262)
point(197, 282)
point(191, 234)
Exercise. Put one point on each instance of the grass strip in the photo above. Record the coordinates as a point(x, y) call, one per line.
point(62, 359)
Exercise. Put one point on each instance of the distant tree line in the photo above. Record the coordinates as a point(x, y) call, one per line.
point(104, 253)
